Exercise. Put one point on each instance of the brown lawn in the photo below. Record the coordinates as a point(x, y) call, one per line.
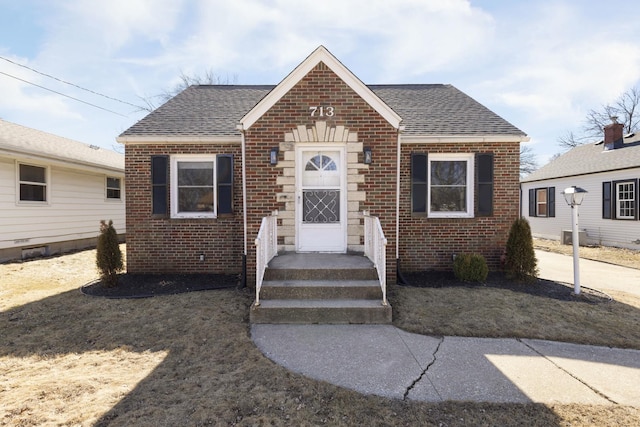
point(187, 359)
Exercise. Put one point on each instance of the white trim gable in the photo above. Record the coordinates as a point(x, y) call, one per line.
point(321, 54)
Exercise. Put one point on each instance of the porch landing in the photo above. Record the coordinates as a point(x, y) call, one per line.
point(320, 288)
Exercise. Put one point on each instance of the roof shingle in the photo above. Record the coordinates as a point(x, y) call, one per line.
point(21, 139)
point(426, 110)
point(590, 158)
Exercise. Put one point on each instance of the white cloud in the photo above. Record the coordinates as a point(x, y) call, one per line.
point(566, 65)
point(20, 97)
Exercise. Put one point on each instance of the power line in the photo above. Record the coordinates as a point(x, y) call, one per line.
point(62, 94)
point(71, 84)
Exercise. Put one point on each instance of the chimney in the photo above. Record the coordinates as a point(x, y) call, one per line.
point(613, 135)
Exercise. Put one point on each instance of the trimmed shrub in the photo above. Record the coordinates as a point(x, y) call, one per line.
point(109, 256)
point(470, 268)
point(521, 263)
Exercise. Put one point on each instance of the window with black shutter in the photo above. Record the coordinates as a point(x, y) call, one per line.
point(419, 183)
point(159, 184)
point(606, 200)
point(225, 183)
point(485, 184)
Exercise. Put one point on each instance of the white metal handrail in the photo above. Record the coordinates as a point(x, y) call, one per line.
point(266, 248)
point(375, 248)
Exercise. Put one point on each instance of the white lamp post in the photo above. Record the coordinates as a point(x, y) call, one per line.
point(574, 197)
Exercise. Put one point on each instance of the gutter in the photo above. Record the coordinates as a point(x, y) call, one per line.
point(63, 161)
point(244, 205)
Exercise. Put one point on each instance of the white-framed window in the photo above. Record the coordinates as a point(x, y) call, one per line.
point(626, 200)
point(193, 186)
point(32, 183)
point(450, 188)
point(114, 190)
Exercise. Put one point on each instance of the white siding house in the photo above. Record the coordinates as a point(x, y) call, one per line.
point(609, 170)
point(54, 191)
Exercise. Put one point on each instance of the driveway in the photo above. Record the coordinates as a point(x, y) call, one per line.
point(593, 274)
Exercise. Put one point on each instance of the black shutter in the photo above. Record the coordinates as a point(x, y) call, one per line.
point(484, 180)
point(419, 183)
point(532, 202)
point(551, 202)
point(635, 199)
point(159, 184)
point(225, 183)
point(606, 200)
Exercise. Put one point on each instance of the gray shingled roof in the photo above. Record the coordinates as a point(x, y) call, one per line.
point(590, 158)
point(433, 109)
point(23, 140)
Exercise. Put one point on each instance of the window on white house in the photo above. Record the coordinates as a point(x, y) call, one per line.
point(450, 186)
point(113, 188)
point(626, 200)
point(542, 202)
point(193, 186)
point(32, 181)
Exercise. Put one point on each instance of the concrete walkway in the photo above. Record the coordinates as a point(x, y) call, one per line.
point(386, 361)
point(593, 274)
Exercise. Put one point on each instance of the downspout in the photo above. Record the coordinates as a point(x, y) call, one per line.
point(399, 277)
point(243, 283)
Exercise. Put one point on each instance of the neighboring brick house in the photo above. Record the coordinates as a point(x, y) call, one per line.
point(443, 172)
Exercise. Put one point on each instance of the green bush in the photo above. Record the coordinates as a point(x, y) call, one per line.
point(470, 268)
point(521, 263)
point(109, 256)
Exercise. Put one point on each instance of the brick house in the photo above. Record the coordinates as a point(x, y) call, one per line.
point(439, 170)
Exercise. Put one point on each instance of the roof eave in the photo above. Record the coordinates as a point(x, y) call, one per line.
point(417, 139)
point(61, 161)
point(165, 139)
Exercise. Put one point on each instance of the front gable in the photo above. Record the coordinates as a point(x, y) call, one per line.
point(320, 55)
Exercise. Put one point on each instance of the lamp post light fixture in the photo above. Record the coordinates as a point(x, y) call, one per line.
point(574, 197)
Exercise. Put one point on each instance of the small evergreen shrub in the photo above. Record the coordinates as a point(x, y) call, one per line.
point(109, 256)
point(470, 268)
point(520, 261)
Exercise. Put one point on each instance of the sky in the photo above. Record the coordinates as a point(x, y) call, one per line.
point(541, 65)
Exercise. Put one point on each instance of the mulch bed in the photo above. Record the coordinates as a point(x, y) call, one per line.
point(150, 285)
point(541, 287)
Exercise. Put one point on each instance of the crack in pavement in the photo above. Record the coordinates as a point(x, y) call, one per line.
point(417, 380)
point(590, 387)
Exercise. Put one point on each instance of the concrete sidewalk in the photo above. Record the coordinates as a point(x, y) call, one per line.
point(593, 274)
point(386, 361)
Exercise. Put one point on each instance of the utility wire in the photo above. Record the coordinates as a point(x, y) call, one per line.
point(60, 93)
point(71, 84)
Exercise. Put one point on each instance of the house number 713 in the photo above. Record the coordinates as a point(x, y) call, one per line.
point(320, 111)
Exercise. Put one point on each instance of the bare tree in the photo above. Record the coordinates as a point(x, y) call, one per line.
point(626, 108)
point(528, 162)
point(208, 78)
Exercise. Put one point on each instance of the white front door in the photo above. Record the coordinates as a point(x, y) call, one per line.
point(321, 224)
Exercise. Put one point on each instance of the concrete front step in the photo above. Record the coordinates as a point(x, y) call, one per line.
point(273, 274)
point(321, 289)
point(321, 311)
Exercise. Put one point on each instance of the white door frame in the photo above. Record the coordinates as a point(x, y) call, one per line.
point(306, 232)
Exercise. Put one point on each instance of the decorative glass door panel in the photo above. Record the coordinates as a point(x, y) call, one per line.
point(320, 206)
point(320, 218)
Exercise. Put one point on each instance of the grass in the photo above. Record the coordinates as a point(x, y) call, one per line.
point(187, 359)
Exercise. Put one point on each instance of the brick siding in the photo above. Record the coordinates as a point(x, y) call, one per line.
point(429, 243)
point(165, 245)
